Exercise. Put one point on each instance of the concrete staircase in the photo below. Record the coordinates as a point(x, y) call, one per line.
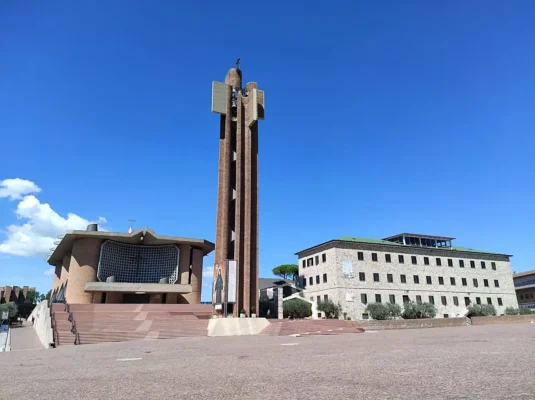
point(95, 323)
point(310, 327)
point(61, 326)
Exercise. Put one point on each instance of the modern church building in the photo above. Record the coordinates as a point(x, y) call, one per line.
point(94, 266)
point(354, 272)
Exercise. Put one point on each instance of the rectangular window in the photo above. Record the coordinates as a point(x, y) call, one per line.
point(377, 298)
point(483, 266)
point(493, 265)
point(388, 258)
point(426, 260)
point(360, 256)
point(463, 280)
point(317, 279)
point(310, 262)
point(444, 301)
point(440, 280)
point(439, 261)
point(478, 300)
point(365, 316)
point(452, 281)
point(472, 264)
point(496, 283)
point(376, 277)
point(475, 283)
point(317, 260)
point(401, 259)
point(304, 282)
point(461, 263)
point(489, 300)
point(431, 299)
point(374, 256)
point(392, 299)
point(446, 316)
point(324, 278)
point(450, 262)
point(324, 257)
point(419, 299)
point(406, 299)
point(318, 299)
point(311, 298)
point(389, 278)
point(311, 281)
point(304, 263)
point(416, 279)
point(403, 278)
point(362, 276)
point(467, 301)
point(326, 297)
point(486, 282)
point(414, 260)
point(455, 300)
point(364, 298)
point(500, 303)
point(428, 280)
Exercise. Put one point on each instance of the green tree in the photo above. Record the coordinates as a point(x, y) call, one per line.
point(383, 311)
point(287, 271)
point(413, 310)
point(518, 311)
point(481, 310)
point(296, 308)
point(11, 309)
point(33, 297)
point(331, 310)
point(48, 295)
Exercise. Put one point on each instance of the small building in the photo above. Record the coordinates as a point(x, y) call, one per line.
point(354, 272)
point(269, 295)
point(525, 289)
point(95, 266)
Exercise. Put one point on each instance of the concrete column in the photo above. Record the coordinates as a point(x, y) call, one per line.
point(280, 303)
point(114, 298)
point(156, 298)
point(184, 264)
point(7, 293)
point(196, 278)
point(56, 283)
point(82, 269)
point(64, 276)
point(97, 298)
point(172, 298)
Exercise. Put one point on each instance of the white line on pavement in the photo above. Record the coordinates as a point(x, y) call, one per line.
point(129, 359)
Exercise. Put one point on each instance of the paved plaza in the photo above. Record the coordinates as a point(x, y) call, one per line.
point(476, 362)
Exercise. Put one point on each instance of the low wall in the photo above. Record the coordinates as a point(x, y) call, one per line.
point(506, 319)
point(412, 323)
point(42, 323)
point(236, 326)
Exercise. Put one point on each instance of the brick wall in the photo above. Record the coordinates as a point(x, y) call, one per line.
point(506, 319)
point(412, 323)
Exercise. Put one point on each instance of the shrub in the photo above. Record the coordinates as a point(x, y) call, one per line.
point(296, 308)
point(511, 311)
point(518, 311)
point(331, 310)
point(11, 309)
point(383, 311)
point(481, 310)
point(413, 310)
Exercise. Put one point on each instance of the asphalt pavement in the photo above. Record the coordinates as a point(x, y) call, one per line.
point(475, 362)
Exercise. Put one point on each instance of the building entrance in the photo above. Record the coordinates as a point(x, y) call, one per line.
point(132, 298)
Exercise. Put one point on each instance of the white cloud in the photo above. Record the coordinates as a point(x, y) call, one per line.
point(40, 224)
point(16, 188)
point(208, 272)
point(50, 271)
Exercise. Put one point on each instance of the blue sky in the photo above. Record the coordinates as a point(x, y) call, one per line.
point(381, 117)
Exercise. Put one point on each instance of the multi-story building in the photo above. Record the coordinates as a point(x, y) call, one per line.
point(525, 289)
point(354, 271)
point(14, 294)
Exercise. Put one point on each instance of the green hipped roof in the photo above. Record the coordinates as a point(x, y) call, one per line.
point(380, 241)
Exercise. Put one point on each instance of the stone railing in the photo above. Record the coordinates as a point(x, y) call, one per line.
point(42, 323)
point(505, 319)
point(374, 325)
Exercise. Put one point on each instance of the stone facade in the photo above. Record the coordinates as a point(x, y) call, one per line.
point(344, 271)
point(525, 289)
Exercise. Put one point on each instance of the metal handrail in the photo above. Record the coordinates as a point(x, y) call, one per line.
point(75, 331)
point(54, 327)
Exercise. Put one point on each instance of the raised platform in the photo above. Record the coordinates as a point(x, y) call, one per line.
point(120, 287)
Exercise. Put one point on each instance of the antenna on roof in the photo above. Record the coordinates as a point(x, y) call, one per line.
point(131, 229)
